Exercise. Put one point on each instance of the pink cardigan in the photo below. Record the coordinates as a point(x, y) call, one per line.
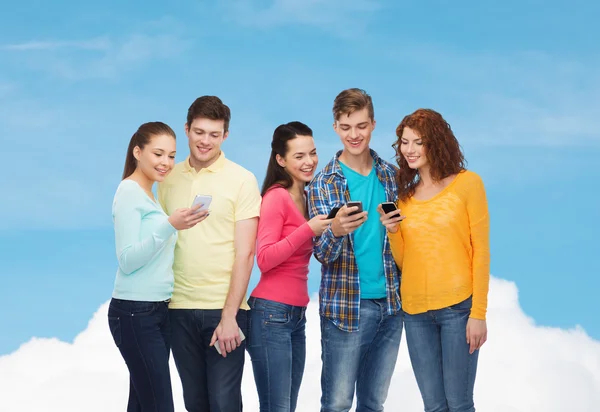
point(284, 247)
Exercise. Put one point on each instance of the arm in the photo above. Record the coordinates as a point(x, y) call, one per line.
point(479, 222)
point(327, 247)
point(397, 246)
point(227, 332)
point(133, 252)
point(271, 249)
point(247, 209)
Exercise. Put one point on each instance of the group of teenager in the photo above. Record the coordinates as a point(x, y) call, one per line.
point(407, 248)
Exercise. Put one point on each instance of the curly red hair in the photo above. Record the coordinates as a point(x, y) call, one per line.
point(442, 149)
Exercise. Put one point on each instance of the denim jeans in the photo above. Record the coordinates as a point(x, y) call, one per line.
point(439, 353)
point(211, 383)
point(364, 360)
point(141, 331)
point(277, 346)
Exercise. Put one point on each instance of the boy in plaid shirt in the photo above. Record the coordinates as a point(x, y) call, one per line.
point(359, 301)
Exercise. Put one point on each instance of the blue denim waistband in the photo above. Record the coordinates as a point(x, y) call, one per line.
point(259, 303)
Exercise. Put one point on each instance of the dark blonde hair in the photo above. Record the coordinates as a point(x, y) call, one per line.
point(350, 101)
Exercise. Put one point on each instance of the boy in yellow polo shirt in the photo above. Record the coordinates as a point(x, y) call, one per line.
point(213, 262)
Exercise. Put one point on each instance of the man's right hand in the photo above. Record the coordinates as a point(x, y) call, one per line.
point(344, 224)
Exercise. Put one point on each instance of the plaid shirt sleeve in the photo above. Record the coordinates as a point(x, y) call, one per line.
point(327, 247)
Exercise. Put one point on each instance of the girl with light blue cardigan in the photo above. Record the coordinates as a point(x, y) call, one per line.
point(145, 240)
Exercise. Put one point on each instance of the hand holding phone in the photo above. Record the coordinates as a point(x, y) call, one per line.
point(218, 347)
point(357, 203)
point(347, 221)
point(392, 222)
point(389, 207)
point(204, 200)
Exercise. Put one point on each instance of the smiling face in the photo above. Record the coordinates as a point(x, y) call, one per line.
point(300, 160)
point(411, 147)
point(205, 137)
point(157, 158)
point(355, 131)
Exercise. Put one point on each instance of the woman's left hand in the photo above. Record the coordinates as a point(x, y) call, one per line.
point(476, 334)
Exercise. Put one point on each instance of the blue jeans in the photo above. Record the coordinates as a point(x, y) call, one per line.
point(364, 360)
point(141, 331)
point(439, 353)
point(277, 346)
point(211, 383)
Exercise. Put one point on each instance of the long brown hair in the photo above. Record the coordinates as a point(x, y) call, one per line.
point(141, 138)
point(277, 175)
point(442, 149)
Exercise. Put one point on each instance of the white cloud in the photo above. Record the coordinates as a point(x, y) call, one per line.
point(95, 58)
point(100, 43)
point(523, 368)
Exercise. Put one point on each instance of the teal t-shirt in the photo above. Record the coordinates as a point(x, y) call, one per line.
point(368, 238)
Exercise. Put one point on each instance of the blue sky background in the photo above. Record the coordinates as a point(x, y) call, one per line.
point(518, 82)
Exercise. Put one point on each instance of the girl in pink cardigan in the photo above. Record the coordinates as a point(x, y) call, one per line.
point(276, 341)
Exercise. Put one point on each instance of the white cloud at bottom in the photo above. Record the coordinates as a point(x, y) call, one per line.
point(522, 368)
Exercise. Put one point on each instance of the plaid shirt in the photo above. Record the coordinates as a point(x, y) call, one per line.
point(339, 294)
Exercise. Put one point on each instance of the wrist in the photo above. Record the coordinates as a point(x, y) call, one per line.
point(333, 231)
point(229, 313)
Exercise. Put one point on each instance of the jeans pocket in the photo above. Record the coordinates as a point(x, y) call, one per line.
point(143, 308)
point(276, 317)
point(114, 323)
point(132, 307)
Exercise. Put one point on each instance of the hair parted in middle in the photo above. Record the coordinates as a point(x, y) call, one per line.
point(350, 101)
point(442, 149)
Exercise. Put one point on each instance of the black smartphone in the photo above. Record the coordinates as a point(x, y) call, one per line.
point(355, 203)
point(389, 207)
point(333, 212)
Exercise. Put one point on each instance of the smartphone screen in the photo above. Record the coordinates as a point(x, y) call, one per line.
point(333, 212)
point(203, 200)
point(389, 207)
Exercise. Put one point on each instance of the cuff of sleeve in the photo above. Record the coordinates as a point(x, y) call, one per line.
point(394, 235)
point(165, 229)
point(306, 232)
point(328, 233)
point(477, 314)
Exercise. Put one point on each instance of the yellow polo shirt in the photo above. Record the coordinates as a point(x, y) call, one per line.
point(204, 254)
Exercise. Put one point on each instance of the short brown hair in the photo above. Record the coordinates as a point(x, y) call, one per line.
point(350, 101)
point(441, 148)
point(209, 107)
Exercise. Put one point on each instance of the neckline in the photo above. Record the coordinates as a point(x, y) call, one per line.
point(293, 204)
point(345, 166)
point(152, 199)
point(441, 192)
